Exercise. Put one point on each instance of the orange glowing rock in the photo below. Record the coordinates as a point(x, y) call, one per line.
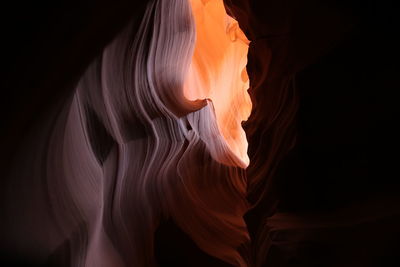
point(218, 71)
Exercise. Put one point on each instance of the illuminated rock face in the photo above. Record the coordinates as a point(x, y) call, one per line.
point(133, 148)
point(168, 158)
point(218, 72)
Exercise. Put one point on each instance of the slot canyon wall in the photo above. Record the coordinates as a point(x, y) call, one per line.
point(112, 156)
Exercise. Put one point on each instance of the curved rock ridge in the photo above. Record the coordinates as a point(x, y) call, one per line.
point(129, 150)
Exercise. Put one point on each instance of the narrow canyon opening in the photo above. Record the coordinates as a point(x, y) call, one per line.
point(218, 71)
